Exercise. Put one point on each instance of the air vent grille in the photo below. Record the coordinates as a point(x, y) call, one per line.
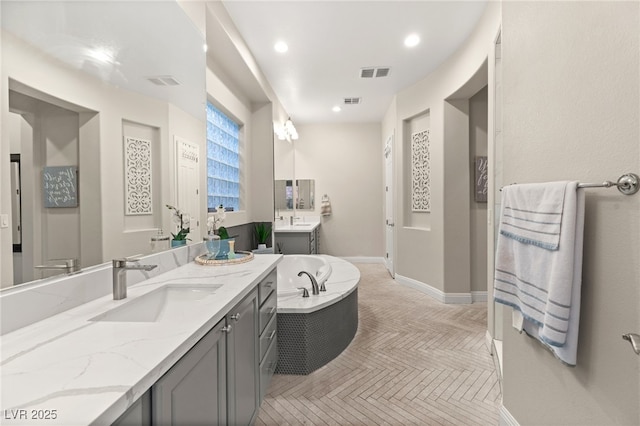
point(164, 80)
point(382, 72)
point(367, 72)
point(352, 101)
point(374, 72)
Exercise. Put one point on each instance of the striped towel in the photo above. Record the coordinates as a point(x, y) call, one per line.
point(325, 206)
point(532, 214)
point(539, 261)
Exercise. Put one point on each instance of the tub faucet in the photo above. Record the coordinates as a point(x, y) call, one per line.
point(69, 266)
point(120, 268)
point(314, 284)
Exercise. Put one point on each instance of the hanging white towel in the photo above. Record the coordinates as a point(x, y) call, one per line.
point(325, 206)
point(539, 261)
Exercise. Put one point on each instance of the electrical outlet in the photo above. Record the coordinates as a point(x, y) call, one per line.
point(4, 220)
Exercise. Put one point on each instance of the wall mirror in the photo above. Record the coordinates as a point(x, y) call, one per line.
point(302, 195)
point(150, 50)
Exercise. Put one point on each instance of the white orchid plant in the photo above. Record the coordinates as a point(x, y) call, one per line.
point(182, 221)
point(215, 219)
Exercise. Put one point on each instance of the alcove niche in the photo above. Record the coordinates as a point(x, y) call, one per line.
point(417, 185)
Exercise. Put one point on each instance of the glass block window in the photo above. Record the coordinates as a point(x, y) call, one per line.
point(223, 160)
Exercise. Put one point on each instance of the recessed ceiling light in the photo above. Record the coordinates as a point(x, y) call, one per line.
point(205, 47)
point(281, 47)
point(336, 109)
point(412, 40)
point(101, 55)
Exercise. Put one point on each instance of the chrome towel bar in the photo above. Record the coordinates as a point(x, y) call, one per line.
point(628, 184)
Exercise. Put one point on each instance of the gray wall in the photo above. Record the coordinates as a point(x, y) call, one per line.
point(571, 111)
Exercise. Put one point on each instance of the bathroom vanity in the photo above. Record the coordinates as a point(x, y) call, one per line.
point(297, 238)
point(193, 345)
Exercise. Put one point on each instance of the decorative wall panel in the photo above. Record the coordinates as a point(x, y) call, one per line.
point(137, 174)
point(420, 172)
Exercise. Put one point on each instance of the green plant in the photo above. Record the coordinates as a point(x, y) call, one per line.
point(263, 231)
point(222, 232)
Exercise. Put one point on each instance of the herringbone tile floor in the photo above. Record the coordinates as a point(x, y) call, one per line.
point(413, 361)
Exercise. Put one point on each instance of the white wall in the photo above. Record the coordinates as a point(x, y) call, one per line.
point(422, 254)
point(572, 111)
point(344, 160)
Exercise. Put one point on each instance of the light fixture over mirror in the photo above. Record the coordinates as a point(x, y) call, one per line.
point(286, 131)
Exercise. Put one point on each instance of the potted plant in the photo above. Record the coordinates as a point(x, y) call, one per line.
point(263, 232)
point(182, 221)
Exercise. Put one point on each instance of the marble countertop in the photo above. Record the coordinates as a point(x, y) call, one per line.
point(284, 226)
point(342, 282)
point(82, 372)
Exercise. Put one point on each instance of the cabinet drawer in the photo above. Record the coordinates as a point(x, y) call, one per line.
point(267, 286)
point(267, 368)
point(268, 310)
point(268, 335)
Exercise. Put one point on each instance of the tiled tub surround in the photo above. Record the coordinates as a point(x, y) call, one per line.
point(90, 372)
point(314, 330)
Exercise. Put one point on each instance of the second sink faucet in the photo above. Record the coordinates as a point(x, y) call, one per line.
point(120, 267)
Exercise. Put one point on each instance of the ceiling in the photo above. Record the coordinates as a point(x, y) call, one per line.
point(330, 41)
point(162, 43)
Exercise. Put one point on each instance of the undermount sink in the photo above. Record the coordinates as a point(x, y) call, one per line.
point(164, 302)
point(303, 224)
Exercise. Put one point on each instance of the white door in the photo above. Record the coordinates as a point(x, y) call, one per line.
point(389, 221)
point(188, 183)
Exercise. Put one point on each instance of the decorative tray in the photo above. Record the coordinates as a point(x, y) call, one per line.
point(241, 257)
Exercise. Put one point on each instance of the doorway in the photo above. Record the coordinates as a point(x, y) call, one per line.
point(389, 212)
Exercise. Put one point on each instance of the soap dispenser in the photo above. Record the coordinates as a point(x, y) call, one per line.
point(159, 242)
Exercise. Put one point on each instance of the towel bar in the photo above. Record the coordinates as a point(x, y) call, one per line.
point(628, 184)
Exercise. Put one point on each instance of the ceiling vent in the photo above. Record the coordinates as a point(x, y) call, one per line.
point(164, 80)
point(352, 101)
point(374, 72)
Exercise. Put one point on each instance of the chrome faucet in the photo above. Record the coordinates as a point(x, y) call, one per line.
point(314, 284)
point(70, 266)
point(120, 268)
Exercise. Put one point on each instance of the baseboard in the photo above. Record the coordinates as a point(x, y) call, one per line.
point(488, 341)
point(363, 259)
point(439, 295)
point(506, 419)
point(479, 296)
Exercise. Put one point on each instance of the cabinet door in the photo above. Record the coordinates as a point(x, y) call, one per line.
point(139, 414)
point(193, 392)
point(242, 361)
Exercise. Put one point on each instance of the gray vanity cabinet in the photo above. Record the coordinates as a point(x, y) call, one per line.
point(242, 361)
point(194, 391)
point(139, 414)
point(222, 379)
point(297, 242)
point(217, 381)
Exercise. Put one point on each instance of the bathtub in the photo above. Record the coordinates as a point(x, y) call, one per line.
point(314, 330)
point(288, 280)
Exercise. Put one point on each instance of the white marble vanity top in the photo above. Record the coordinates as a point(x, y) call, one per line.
point(304, 225)
point(80, 372)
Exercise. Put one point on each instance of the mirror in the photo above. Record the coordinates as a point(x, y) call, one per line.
point(81, 78)
point(304, 194)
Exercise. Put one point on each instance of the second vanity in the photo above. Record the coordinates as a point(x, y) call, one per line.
point(297, 237)
point(191, 345)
